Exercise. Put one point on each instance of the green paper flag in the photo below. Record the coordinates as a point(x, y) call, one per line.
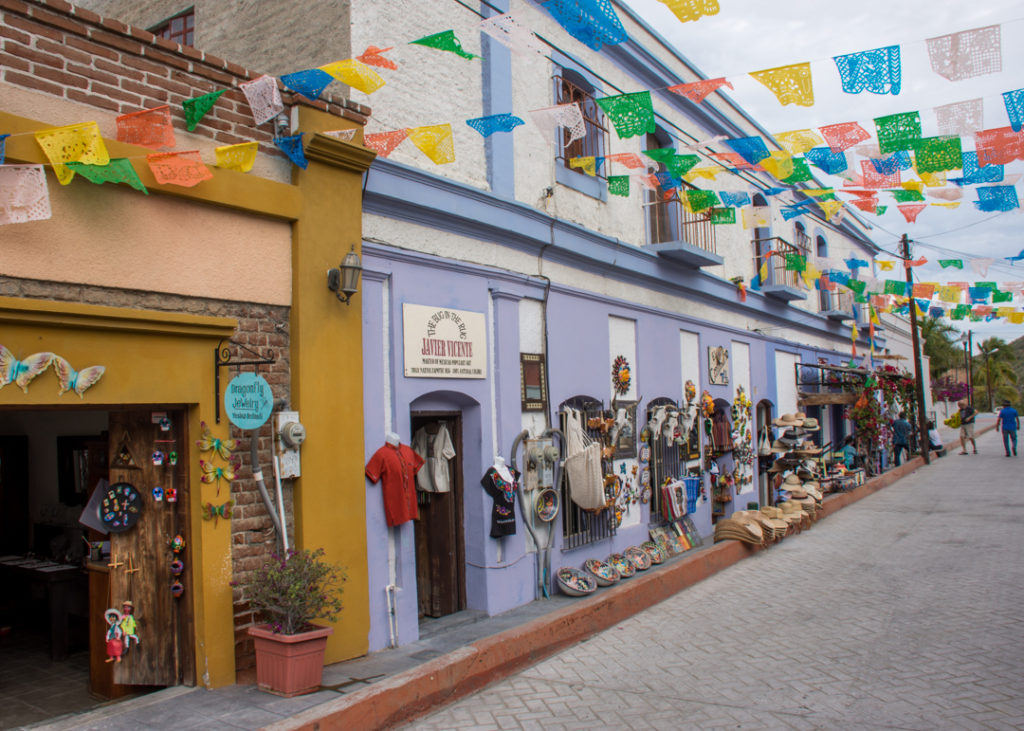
point(880, 210)
point(118, 170)
point(196, 108)
point(723, 215)
point(955, 263)
point(618, 185)
point(861, 299)
point(1002, 296)
point(857, 285)
point(661, 154)
point(937, 154)
point(632, 114)
point(898, 131)
point(896, 286)
point(801, 173)
point(990, 286)
point(680, 165)
point(444, 41)
point(796, 263)
point(907, 196)
point(959, 312)
point(701, 200)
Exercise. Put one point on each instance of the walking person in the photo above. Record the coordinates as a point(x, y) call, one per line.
point(967, 414)
point(900, 438)
point(1009, 423)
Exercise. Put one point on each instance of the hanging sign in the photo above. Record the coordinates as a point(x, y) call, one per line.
point(248, 400)
point(444, 343)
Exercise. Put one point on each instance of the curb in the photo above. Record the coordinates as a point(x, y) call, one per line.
point(447, 678)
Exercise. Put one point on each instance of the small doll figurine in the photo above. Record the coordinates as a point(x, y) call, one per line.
point(115, 645)
point(128, 625)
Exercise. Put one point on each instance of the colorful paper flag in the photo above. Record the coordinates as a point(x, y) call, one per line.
point(697, 91)
point(197, 107)
point(1014, 102)
point(751, 149)
point(827, 160)
point(492, 123)
point(722, 216)
point(591, 22)
point(701, 200)
point(24, 196)
point(568, 116)
point(264, 98)
point(586, 164)
point(444, 41)
point(384, 143)
point(239, 157)
point(374, 56)
point(966, 54)
point(960, 118)
point(178, 168)
point(999, 146)
point(898, 131)
point(876, 71)
point(507, 30)
point(355, 73)
point(618, 185)
point(434, 141)
point(147, 128)
point(73, 143)
point(799, 141)
point(627, 159)
point(937, 154)
point(790, 84)
point(118, 170)
point(910, 210)
point(687, 10)
point(631, 114)
point(997, 198)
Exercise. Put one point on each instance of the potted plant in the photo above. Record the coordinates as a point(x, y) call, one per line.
point(289, 593)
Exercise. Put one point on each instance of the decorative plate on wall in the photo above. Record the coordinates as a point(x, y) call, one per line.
point(121, 507)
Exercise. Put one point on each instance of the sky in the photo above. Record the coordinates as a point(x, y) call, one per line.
point(746, 36)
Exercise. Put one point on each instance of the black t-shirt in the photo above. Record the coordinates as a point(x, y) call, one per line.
point(967, 414)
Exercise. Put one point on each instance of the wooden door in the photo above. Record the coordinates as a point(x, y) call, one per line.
point(440, 551)
point(164, 655)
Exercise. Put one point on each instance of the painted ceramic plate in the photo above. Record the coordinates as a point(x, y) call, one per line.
point(575, 583)
point(121, 507)
point(653, 551)
point(621, 564)
point(638, 557)
point(605, 574)
point(546, 505)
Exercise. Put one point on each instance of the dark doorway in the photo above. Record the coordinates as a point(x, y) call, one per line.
point(440, 545)
point(764, 461)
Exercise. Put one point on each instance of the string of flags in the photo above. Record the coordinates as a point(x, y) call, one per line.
point(899, 146)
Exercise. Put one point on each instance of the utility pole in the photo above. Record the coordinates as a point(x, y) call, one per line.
point(922, 418)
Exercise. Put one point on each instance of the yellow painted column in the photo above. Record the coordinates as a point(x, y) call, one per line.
point(326, 370)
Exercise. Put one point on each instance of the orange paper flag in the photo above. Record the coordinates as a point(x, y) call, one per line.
point(384, 143)
point(178, 168)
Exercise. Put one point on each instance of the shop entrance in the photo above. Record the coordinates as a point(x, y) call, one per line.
point(764, 461)
point(440, 544)
point(57, 587)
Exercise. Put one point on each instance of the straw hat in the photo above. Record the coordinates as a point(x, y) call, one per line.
point(787, 420)
point(791, 481)
point(780, 447)
point(811, 424)
point(800, 416)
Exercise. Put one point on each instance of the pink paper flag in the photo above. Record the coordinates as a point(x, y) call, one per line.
point(843, 136)
point(264, 98)
point(149, 128)
point(910, 211)
point(697, 91)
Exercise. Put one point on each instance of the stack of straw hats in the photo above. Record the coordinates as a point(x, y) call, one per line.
point(741, 528)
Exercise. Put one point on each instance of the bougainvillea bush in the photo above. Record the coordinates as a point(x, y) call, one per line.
point(291, 591)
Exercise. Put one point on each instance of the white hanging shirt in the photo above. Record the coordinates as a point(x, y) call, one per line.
point(436, 450)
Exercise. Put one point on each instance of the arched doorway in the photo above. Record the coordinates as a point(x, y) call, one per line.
point(764, 461)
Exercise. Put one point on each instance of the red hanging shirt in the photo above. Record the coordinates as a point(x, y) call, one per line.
point(396, 469)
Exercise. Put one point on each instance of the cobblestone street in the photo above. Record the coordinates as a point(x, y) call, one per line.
point(903, 610)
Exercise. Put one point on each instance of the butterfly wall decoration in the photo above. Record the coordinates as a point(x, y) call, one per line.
point(72, 380)
point(216, 512)
point(223, 447)
point(22, 372)
point(212, 473)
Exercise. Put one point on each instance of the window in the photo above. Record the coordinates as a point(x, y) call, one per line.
point(667, 455)
point(179, 28)
point(573, 88)
point(667, 218)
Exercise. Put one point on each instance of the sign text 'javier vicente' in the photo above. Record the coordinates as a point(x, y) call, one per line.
point(444, 343)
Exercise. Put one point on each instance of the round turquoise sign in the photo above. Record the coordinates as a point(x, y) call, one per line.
point(248, 401)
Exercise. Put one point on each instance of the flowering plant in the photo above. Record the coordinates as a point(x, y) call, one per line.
point(292, 591)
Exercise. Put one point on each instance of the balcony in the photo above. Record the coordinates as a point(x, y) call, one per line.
point(680, 236)
point(781, 284)
point(836, 305)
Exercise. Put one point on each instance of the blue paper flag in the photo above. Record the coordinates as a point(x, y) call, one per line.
point(1014, 101)
point(997, 198)
point(487, 126)
point(774, 191)
point(790, 213)
point(734, 200)
point(292, 147)
point(830, 162)
point(310, 83)
point(923, 305)
point(978, 295)
point(936, 312)
point(751, 149)
point(3, 147)
point(876, 71)
point(668, 181)
point(1012, 259)
point(591, 22)
point(838, 277)
point(899, 160)
point(854, 264)
point(974, 175)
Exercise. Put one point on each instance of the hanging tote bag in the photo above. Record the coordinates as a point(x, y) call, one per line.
point(583, 465)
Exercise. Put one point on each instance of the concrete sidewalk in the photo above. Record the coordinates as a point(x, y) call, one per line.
point(454, 657)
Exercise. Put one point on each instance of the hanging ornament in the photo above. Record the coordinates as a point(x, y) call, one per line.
point(621, 375)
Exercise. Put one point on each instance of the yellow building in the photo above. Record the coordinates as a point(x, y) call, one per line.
point(157, 289)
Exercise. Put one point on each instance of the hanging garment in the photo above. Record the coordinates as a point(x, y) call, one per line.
point(503, 493)
point(396, 468)
point(435, 450)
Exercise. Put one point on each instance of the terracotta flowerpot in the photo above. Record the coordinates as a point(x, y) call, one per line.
point(289, 665)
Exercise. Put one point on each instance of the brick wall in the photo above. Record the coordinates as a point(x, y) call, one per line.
point(263, 328)
point(52, 47)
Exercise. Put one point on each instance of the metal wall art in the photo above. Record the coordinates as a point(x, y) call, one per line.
point(718, 365)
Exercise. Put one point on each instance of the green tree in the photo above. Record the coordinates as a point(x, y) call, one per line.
point(993, 370)
point(940, 345)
